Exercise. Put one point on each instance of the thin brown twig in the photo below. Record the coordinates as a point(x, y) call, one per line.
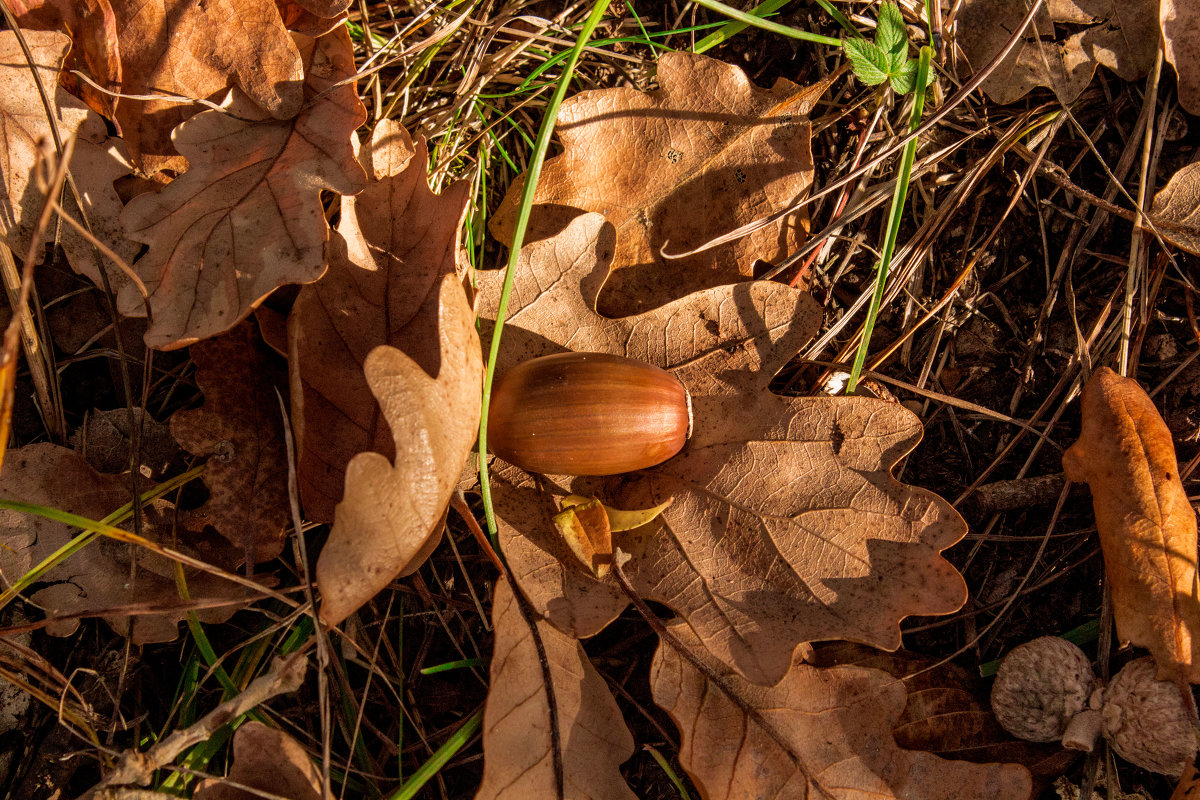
point(137, 768)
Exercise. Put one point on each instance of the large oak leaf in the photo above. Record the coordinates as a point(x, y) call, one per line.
point(246, 218)
point(96, 161)
point(704, 153)
point(518, 742)
point(391, 513)
point(395, 242)
point(787, 525)
point(197, 49)
point(1063, 45)
point(818, 733)
point(104, 576)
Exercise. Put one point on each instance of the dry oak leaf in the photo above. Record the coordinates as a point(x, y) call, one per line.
point(186, 48)
point(787, 525)
point(240, 431)
point(104, 576)
point(1180, 24)
point(1176, 209)
point(97, 160)
point(947, 713)
point(705, 153)
point(268, 760)
point(395, 242)
point(819, 733)
point(391, 514)
point(520, 759)
point(1063, 45)
point(246, 218)
point(1146, 525)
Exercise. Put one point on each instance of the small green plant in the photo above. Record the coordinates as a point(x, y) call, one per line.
point(885, 59)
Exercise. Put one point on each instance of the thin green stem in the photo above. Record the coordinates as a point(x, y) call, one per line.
point(895, 213)
point(766, 25)
point(734, 27)
point(443, 754)
point(533, 172)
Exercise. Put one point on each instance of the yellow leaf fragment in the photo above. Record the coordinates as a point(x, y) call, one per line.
point(587, 526)
point(1147, 526)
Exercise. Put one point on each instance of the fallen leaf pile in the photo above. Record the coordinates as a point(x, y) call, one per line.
point(779, 524)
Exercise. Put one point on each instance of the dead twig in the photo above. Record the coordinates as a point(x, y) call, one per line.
point(137, 768)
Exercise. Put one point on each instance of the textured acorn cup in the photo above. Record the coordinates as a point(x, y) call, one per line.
point(587, 414)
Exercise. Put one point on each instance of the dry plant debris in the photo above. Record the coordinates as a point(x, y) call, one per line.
point(1068, 40)
point(118, 582)
point(1178, 206)
point(532, 666)
point(391, 514)
point(240, 433)
point(704, 153)
point(241, 164)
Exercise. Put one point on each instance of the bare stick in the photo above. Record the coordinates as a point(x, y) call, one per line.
point(138, 768)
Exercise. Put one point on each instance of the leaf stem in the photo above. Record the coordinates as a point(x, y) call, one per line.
point(533, 172)
point(895, 213)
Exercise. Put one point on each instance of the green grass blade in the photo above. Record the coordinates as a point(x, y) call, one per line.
point(462, 663)
point(89, 532)
point(669, 771)
point(895, 213)
point(443, 754)
point(734, 26)
point(766, 25)
point(533, 172)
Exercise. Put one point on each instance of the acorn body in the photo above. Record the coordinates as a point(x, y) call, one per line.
point(587, 414)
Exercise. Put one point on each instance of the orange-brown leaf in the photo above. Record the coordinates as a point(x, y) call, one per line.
point(240, 432)
point(395, 242)
point(246, 218)
point(1063, 45)
point(391, 511)
point(704, 153)
point(787, 525)
point(198, 50)
point(1147, 526)
point(817, 733)
point(268, 760)
point(518, 747)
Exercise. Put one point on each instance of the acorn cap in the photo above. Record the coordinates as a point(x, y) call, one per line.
point(1146, 720)
point(1040, 686)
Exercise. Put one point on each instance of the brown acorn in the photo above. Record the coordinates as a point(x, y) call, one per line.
point(587, 414)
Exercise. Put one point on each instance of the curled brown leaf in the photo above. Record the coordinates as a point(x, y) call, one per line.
point(1146, 524)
